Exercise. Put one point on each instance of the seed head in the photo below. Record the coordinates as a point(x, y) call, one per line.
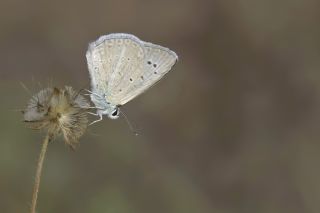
point(58, 111)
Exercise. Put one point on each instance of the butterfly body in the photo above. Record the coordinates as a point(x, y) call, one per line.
point(105, 108)
point(121, 67)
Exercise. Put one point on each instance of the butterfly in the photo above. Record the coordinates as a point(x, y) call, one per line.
point(121, 67)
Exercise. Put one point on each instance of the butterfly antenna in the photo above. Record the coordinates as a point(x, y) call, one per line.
point(128, 122)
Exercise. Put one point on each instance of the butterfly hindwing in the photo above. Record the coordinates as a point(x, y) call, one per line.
point(110, 58)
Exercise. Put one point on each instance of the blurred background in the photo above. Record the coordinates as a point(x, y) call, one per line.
point(234, 128)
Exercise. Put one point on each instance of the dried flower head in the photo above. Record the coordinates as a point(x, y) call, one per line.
point(59, 111)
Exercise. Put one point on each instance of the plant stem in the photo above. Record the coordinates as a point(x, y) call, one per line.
point(38, 173)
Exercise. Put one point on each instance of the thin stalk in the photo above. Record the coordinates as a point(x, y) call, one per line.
point(38, 173)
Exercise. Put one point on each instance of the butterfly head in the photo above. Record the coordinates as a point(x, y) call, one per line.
point(104, 107)
point(112, 112)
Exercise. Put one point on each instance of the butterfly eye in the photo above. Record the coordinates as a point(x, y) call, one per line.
point(115, 113)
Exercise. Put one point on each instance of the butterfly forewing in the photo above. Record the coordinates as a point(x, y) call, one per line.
point(156, 63)
point(128, 66)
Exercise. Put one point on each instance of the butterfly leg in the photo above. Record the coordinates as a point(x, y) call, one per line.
point(90, 107)
point(92, 93)
point(93, 107)
point(100, 118)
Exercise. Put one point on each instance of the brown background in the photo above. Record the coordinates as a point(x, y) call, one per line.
point(234, 128)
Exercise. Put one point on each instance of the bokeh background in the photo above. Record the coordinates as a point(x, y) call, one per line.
point(234, 128)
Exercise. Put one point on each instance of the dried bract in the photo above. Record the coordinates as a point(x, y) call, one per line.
point(59, 111)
